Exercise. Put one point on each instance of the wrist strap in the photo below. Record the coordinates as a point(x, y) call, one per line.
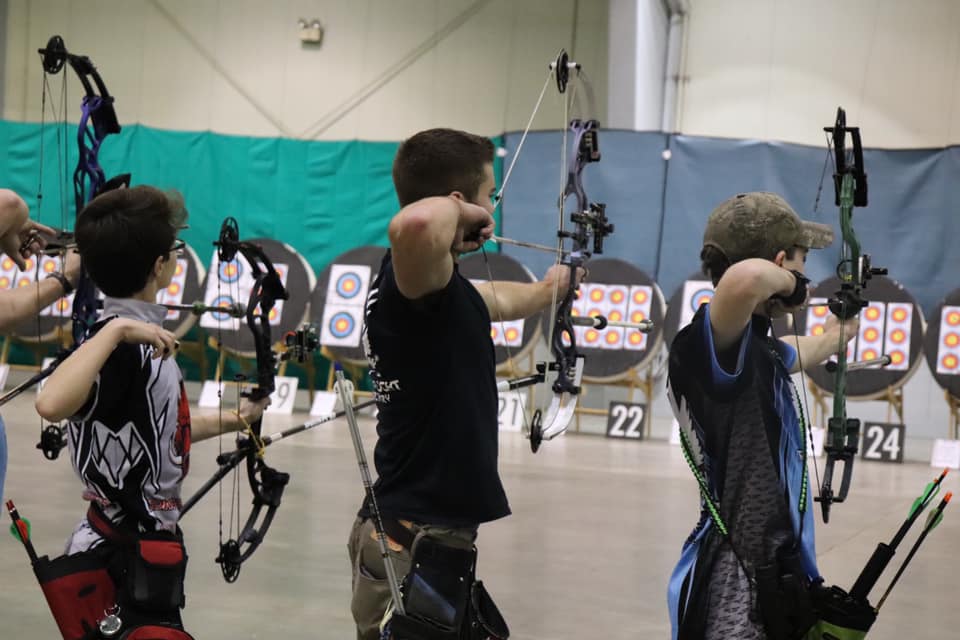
point(62, 279)
point(799, 293)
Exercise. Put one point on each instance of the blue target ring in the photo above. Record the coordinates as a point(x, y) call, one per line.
point(341, 324)
point(221, 301)
point(695, 299)
point(348, 285)
point(230, 272)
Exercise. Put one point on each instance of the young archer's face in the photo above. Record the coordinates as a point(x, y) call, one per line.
point(799, 260)
point(487, 190)
point(169, 266)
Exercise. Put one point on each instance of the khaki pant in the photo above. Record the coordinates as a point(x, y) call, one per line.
point(371, 593)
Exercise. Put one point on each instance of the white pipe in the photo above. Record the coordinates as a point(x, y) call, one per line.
point(679, 9)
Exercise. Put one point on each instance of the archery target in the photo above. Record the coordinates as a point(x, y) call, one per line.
point(339, 299)
point(511, 338)
point(639, 308)
point(231, 282)
point(891, 324)
point(948, 348)
point(896, 341)
point(869, 343)
point(695, 293)
point(185, 287)
point(343, 312)
point(52, 319)
point(621, 292)
point(173, 294)
point(942, 344)
point(341, 325)
point(508, 333)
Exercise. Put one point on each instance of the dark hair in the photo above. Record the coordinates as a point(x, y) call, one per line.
point(714, 262)
point(436, 162)
point(121, 233)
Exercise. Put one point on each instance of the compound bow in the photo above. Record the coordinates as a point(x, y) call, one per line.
point(98, 119)
point(266, 483)
point(854, 271)
point(590, 227)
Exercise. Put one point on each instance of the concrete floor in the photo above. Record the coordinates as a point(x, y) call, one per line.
point(597, 527)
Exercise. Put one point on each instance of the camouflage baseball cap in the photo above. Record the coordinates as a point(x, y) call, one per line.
point(758, 225)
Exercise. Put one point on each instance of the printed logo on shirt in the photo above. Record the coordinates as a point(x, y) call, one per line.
point(113, 454)
point(180, 445)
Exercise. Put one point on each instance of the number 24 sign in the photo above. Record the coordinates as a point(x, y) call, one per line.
point(882, 441)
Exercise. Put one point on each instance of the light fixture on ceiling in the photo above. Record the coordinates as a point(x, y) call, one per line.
point(311, 32)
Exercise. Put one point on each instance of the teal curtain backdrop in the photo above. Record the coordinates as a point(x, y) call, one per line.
point(322, 198)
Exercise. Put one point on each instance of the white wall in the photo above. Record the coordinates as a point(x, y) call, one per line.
point(778, 69)
point(637, 60)
point(237, 66)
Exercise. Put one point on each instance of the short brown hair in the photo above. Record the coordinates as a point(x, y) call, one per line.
point(121, 233)
point(436, 162)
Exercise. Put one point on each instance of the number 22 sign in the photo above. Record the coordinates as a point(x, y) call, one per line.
point(625, 420)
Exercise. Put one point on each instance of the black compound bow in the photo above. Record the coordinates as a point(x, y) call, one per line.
point(266, 483)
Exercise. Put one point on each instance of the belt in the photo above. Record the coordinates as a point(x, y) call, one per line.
point(109, 531)
point(400, 532)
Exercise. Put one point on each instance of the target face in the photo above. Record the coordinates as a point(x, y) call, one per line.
point(173, 294)
point(343, 312)
point(230, 272)
point(341, 324)
point(504, 334)
point(948, 351)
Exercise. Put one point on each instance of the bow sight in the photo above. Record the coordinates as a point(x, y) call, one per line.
point(301, 343)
